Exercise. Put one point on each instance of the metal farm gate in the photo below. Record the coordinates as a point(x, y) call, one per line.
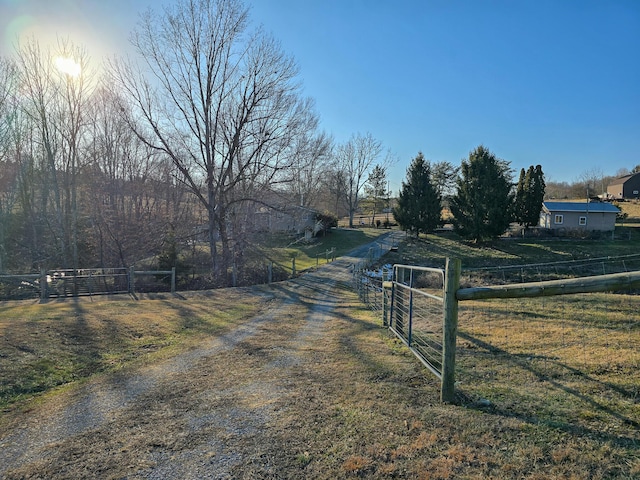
point(86, 281)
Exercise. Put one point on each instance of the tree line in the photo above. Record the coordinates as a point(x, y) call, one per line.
point(480, 195)
point(106, 165)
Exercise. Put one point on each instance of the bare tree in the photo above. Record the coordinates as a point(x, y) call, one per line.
point(593, 182)
point(376, 189)
point(76, 81)
point(311, 160)
point(56, 85)
point(356, 158)
point(8, 170)
point(38, 85)
point(221, 102)
point(136, 198)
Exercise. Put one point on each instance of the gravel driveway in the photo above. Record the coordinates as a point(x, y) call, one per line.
point(211, 412)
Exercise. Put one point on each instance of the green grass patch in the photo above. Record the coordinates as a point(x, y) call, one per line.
point(281, 249)
point(433, 249)
point(47, 345)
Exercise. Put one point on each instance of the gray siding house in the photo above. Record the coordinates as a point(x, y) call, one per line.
point(587, 216)
point(627, 187)
point(289, 219)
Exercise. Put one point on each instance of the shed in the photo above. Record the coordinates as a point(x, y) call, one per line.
point(588, 216)
point(627, 187)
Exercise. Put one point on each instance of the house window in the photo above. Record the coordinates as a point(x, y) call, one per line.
point(582, 221)
point(558, 219)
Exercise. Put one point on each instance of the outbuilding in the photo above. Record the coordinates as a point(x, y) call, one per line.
point(587, 216)
point(625, 188)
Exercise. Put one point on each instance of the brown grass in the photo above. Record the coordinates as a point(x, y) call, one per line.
point(47, 345)
point(632, 209)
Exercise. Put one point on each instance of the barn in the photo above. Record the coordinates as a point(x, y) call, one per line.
point(625, 188)
point(587, 216)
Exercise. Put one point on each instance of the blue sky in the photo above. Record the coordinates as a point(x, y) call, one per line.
point(555, 82)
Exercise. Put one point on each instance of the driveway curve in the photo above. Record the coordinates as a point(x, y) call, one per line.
point(211, 412)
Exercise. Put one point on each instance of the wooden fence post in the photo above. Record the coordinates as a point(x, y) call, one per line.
point(132, 280)
point(450, 329)
point(270, 272)
point(293, 267)
point(173, 279)
point(44, 294)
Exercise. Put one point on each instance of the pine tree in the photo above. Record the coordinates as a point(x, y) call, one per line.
point(419, 205)
point(483, 204)
point(376, 189)
point(529, 196)
point(519, 203)
point(538, 187)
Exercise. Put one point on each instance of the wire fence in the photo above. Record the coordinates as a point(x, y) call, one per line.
point(416, 313)
point(368, 276)
point(538, 272)
point(591, 335)
point(84, 282)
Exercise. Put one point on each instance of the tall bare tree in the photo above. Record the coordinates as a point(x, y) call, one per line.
point(311, 162)
point(222, 102)
point(56, 85)
point(8, 173)
point(356, 158)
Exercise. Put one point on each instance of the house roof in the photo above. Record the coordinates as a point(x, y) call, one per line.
point(592, 207)
point(623, 179)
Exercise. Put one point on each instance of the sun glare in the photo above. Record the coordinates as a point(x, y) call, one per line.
point(68, 66)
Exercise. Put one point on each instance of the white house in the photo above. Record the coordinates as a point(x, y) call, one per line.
point(587, 216)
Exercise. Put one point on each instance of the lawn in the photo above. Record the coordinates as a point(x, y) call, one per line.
point(433, 249)
point(56, 343)
point(281, 249)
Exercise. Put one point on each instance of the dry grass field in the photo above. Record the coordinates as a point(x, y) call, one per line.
point(632, 209)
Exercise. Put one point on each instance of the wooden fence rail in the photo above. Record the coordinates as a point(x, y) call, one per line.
point(453, 294)
point(593, 284)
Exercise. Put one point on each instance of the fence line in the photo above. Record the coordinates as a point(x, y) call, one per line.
point(81, 282)
point(424, 313)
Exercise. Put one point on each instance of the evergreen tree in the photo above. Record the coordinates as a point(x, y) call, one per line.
point(519, 207)
point(538, 188)
point(483, 203)
point(376, 189)
point(529, 196)
point(419, 205)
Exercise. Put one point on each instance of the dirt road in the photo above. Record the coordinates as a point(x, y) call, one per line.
point(229, 409)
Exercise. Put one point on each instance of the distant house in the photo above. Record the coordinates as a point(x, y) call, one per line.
point(287, 219)
point(587, 216)
point(627, 187)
